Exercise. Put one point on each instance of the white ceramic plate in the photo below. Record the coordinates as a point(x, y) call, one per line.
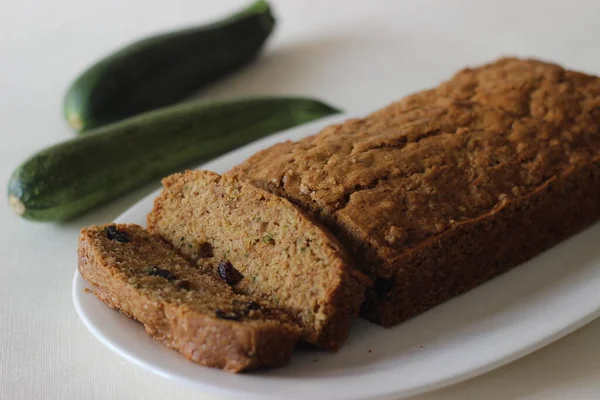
point(500, 321)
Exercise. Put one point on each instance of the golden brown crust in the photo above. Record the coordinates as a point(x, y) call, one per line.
point(446, 188)
point(286, 258)
point(191, 312)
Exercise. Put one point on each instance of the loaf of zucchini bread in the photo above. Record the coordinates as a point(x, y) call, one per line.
point(197, 314)
point(265, 247)
point(451, 186)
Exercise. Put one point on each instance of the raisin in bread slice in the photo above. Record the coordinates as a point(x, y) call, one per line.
point(265, 247)
point(194, 313)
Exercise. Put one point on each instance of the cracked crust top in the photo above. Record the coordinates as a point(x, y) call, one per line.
point(389, 182)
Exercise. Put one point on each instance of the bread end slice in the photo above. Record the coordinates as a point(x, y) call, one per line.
point(140, 275)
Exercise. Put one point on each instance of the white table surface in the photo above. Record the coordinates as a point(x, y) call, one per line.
point(358, 55)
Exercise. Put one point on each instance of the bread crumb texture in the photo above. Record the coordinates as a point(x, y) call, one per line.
point(283, 255)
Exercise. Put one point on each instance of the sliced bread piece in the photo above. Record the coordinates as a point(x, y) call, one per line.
point(144, 278)
point(263, 246)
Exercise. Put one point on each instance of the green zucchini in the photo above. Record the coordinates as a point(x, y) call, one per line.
point(163, 69)
point(75, 176)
